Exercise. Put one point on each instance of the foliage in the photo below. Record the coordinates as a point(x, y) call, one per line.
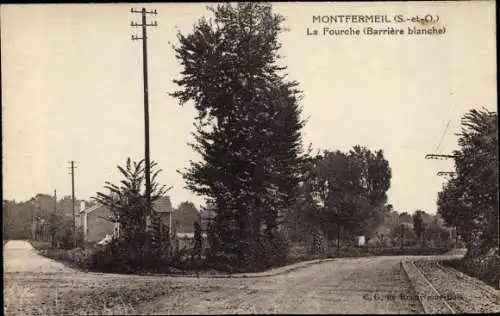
point(405, 217)
point(346, 191)
point(469, 200)
point(17, 219)
point(272, 250)
point(247, 128)
point(128, 203)
point(61, 231)
point(480, 264)
point(31, 218)
point(185, 216)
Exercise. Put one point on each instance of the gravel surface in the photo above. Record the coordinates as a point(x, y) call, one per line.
point(20, 256)
point(463, 293)
point(361, 285)
point(34, 285)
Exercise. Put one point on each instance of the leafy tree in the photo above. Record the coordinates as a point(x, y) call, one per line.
point(349, 190)
point(184, 216)
point(17, 219)
point(127, 201)
point(55, 223)
point(248, 125)
point(60, 229)
point(305, 217)
point(405, 217)
point(469, 200)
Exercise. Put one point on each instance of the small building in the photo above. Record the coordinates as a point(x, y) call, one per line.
point(96, 223)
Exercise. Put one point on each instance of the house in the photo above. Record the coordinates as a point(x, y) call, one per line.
point(184, 217)
point(96, 224)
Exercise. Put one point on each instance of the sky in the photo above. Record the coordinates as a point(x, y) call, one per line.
point(72, 90)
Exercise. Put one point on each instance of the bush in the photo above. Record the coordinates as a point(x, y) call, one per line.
point(223, 262)
point(266, 251)
point(481, 264)
point(116, 257)
point(271, 251)
point(78, 257)
point(62, 233)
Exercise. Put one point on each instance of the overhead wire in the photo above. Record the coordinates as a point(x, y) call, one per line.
point(438, 146)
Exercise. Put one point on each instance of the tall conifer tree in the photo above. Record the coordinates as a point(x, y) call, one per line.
point(248, 124)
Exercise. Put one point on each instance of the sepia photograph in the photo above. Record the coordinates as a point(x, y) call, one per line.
point(250, 158)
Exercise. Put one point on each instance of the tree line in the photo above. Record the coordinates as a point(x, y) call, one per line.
point(469, 200)
point(41, 217)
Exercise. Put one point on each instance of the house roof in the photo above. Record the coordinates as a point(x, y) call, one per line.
point(90, 209)
point(162, 205)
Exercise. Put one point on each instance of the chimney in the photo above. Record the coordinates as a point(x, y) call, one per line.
point(82, 205)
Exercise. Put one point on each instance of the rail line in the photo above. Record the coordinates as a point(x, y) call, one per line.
point(452, 311)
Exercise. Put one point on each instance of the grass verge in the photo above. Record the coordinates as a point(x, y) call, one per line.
point(350, 252)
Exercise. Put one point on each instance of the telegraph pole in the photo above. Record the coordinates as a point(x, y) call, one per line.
point(144, 39)
point(445, 173)
point(33, 217)
point(439, 156)
point(72, 172)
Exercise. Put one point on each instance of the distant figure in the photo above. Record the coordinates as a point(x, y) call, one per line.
point(197, 241)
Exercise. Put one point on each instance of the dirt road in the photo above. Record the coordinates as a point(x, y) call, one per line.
point(20, 256)
point(342, 286)
point(36, 285)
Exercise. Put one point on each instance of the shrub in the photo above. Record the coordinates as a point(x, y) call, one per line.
point(78, 257)
point(119, 256)
point(267, 250)
point(271, 251)
point(483, 264)
point(222, 261)
point(116, 257)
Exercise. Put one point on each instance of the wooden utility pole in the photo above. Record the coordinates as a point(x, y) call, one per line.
point(55, 201)
point(72, 172)
point(144, 39)
point(33, 218)
point(444, 173)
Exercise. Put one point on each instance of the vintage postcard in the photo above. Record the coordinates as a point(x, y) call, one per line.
point(250, 157)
